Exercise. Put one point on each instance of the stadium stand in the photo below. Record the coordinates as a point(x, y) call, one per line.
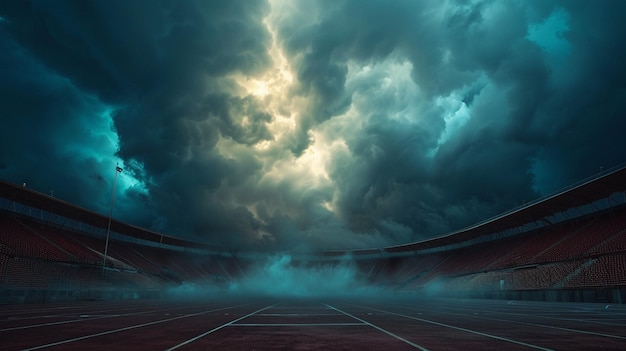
point(24, 241)
point(570, 246)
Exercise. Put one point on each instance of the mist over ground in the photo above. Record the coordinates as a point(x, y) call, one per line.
point(283, 276)
point(279, 276)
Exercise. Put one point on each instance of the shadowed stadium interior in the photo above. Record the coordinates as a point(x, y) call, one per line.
point(533, 263)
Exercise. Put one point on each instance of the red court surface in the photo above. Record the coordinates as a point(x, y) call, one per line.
point(249, 324)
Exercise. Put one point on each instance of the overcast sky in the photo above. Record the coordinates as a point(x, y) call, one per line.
point(323, 124)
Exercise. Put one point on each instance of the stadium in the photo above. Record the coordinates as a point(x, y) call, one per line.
point(565, 252)
point(312, 175)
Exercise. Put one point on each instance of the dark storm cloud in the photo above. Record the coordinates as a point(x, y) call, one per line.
point(526, 135)
point(35, 103)
point(587, 111)
point(424, 116)
point(154, 66)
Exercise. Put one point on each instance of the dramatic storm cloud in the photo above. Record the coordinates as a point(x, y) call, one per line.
point(310, 124)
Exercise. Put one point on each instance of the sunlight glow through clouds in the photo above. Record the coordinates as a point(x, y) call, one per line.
point(272, 89)
point(305, 174)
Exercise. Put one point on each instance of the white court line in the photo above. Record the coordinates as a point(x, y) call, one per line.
point(86, 319)
point(294, 324)
point(35, 310)
point(378, 328)
point(459, 328)
point(68, 321)
point(533, 307)
point(544, 326)
point(532, 315)
point(10, 318)
point(218, 328)
point(126, 328)
point(296, 314)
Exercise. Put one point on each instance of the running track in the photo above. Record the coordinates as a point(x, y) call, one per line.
point(289, 324)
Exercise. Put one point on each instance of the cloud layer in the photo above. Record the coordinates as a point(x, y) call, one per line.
point(326, 124)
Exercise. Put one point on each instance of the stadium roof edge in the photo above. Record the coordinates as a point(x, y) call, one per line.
point(585, 191)
point(33, 198)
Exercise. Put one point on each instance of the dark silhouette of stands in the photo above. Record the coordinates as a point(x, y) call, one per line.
point(583, 259)
point(39, 262)
point(585, 256)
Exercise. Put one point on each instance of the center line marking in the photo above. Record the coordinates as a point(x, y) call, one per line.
point(378, 328)
point(218, 328)
point(296, 314)
point(293, 324)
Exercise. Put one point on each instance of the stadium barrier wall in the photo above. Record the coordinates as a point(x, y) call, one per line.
point(615, 295)
point(19, 296)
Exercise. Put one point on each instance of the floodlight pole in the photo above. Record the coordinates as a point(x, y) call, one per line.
point(118, 169)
